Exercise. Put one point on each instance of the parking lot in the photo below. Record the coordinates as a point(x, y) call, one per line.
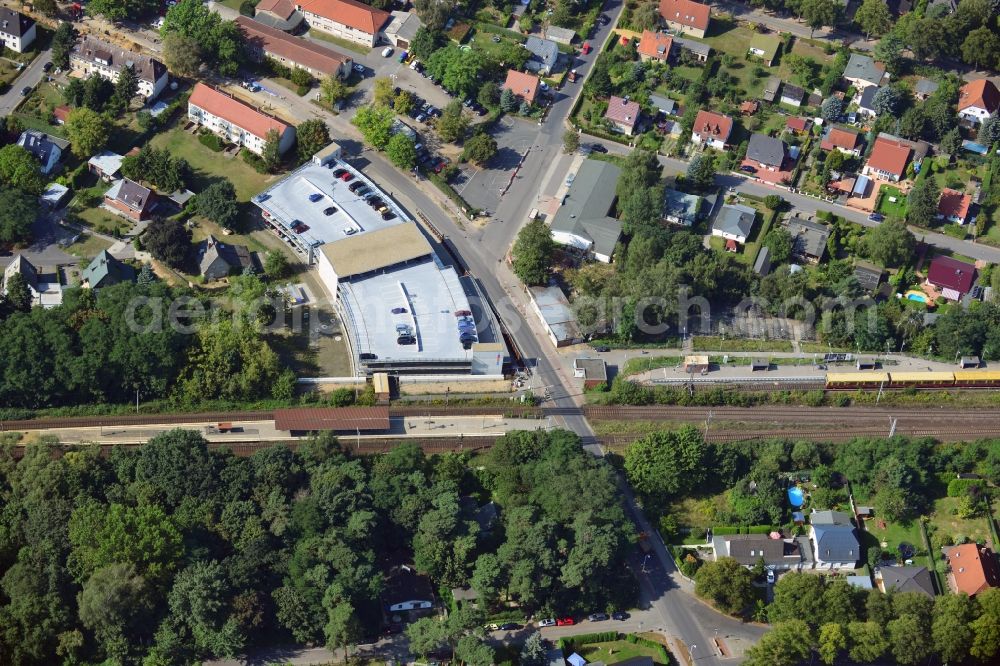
point(482, 187)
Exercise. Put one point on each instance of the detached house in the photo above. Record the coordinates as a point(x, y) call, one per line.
point(680, 208)
point(953, 277)
point(905, 579)
point(217, 260)
point(544, 55)
point(734, 223)
point(522, 84)
point(712, 130)
point(46, 294)
point(766, 152)
point(347, 19)
point(862, 72)
point(888, 159)
point(584, 220)
point(686, 16)
point(749, 549)
point(46, 149)
point(105, 271)
point(844, 140)
point(808, 239)
point(236, 122)
point(623, 114)
point(972, 569)
point(954, 206)
point(17, 31)
point(264, 41)
point(94, 56)
point(130, 199)
point(835, 543)
point(654, 46)
point(977, 101)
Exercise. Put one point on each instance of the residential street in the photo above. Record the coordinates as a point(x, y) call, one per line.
point(30, 76)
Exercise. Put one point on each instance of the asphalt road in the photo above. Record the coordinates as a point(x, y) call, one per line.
point(30, 76)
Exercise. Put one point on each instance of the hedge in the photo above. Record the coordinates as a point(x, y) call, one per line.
point(571, 642)
point(665, 656)
point(211, 142)
point(723, 530)
point(959, 487)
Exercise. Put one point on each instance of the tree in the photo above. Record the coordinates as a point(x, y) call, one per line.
point(867, 640)
point(832, 642)
point(571, 141)
point(786, 644)
point(480, 149)
point(989, 131)
point(874, 18)
point(271, 153)
point(18, 296)
point(17, 215)
point(508, 101)
point(401, 151)
point(220, 43)
point(332, 90)
point(453, 123)
point(773, 201)
point(312, 136)
point(532, 253)
point(798, 595)
point(276, 264)
point(19, 169)
point(489, 95)
point(62, 43)
point(426, 42)
point(404, 102)
point(889, 51)
point(182, 54)
point(534, 651)
point(701, 171)
point(230, 361)
point(126, 86)
point(301, 77)
point(382, 94)
point(887, 100)
point(217, 202)
point(167, 240)
point(779, 244)
point(118, 10)
point(909, 643)
point(47, 7)
point(667, 464)
point(832, 107)
point(157, 167)
point(375, 124)
point(199, 603)
point(88, 131)
point(890, 243)
point(951, 631)
point(726, 583)
point(922, 202)
point(893, 503)
point(342, 626)
point(819, 13)
point(981, 47)
point(114, 600)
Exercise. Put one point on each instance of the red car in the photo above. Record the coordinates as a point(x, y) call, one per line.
point(565, 621)
point(586, 48)
point(346, 176)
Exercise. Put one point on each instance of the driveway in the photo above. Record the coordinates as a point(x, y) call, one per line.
point(30, 76)
point(44, 249)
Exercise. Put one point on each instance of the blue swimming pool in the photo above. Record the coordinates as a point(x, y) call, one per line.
point(916, 296)
point(795, 496)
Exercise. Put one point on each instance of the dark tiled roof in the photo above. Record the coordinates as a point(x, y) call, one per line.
point(14, 23)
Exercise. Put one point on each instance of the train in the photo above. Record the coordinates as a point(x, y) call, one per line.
point(877, 379)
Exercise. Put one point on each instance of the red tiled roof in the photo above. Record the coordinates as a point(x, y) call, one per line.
point(622, 112)
point(949, 273)
point(522, 84)
point(655, 44)
point(354, 14)
point(973, 569)
point(840, 138)
point(280, 8)
point(685, 12)
point(222, 105)
point(981, 93)
point(711, 125)
point(297, 50)
point(954, 203)
point(889, 156)
point(796, 123)
point(333, 418)
point(61, 113)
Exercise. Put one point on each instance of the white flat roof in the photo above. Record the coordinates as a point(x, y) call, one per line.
point(289, 200)
point(430, 293)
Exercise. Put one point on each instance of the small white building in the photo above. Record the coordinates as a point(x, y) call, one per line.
point(978, 100)
point(17, 31)
point(735, 223)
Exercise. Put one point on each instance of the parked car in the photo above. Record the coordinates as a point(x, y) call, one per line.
point(399, 311)
point(25, 91)
point(603, 349)
point(619, 615)
point(598, 148)
point(402, 56)
point(346, 176)
point(597, 617)
point(330, 210)
point(565, 622)
point(359, 68)
point(746, 168)
point(510, 626)
point(406, 340)
point(388, 215)
point(337, 173)
point(386, 52)
point(770, 575)
point(47, 66)
point(604, 19)
point(586, 48)
point(550, 622)
point(876, 217)
point(315, 196)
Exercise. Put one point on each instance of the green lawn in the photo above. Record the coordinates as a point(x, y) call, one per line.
point(634, 366)
point(208, 166)
point(893, 534)
point(88, 246)
point(892, 208)
point(327, 37)
point(483, 42)
point(616, 651)
point(103, 221)
point(944, 522)
point(710, 343)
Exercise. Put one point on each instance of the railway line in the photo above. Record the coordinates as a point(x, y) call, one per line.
point(811, 415)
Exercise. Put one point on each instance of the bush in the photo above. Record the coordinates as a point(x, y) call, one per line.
point(254, 160)
point(210, 141)
point(961, 487)
point(723, 530)
point(572, 642)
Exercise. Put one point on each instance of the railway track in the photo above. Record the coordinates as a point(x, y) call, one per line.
point(836, 415)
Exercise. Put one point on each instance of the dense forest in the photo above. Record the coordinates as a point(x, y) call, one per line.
point(171, 553)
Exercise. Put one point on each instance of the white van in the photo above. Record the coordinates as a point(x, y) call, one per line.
point(386, 52)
